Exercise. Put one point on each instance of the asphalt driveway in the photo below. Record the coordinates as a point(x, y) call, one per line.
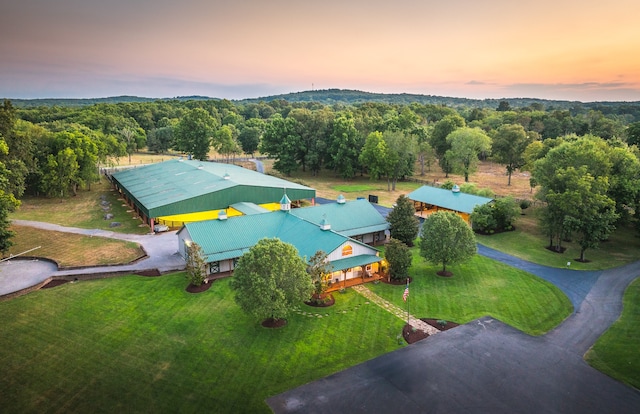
point(486, 366)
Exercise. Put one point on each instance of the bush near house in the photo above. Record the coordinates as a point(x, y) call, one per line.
point(495, 217)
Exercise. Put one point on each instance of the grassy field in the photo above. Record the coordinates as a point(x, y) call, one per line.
point(616, 352)
point(70, 250)
point(528, 242)
point(478, 288)
point(83, 210)
point(135, 344)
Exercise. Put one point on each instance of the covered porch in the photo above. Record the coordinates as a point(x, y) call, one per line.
point(355, 270)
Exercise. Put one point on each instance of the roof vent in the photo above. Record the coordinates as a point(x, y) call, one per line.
point(226, 176)
point(222, 215)
point(285, 203)
point(324, 224)
point(341, 199)
point(455, 189)
point(200, 166)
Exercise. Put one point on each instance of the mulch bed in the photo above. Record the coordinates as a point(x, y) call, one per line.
point(150, 272)
point(274, 323)
point(197, 289)
point(323, 301)
point(446, 273)
point(54, 283)
point(411, 336)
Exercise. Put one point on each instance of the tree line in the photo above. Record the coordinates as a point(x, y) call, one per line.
point(56, 150)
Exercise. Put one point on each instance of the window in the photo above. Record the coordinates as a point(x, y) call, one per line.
point(235, 262)
point(347, 250)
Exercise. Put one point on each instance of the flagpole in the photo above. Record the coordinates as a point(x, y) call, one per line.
point(408, 303)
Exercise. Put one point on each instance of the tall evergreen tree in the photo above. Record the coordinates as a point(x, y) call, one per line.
point(403, 224)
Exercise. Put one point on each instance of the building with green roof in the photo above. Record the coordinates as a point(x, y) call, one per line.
point(223, 241)
point(357, 219)
point(179, 191)
point(427, 200)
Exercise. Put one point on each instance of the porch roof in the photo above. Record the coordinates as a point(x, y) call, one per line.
point(349, 262)
point(456, 201)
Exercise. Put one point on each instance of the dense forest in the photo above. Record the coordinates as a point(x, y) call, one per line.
point(577, 152)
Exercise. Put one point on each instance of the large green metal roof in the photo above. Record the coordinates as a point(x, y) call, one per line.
point(226, 239)
point(456, 201)
point(187, 186)
point(350, 218)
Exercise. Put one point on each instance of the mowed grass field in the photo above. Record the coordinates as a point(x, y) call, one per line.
point(138, 344)
point(616, 352)
point(529, 242)
point(480, 287)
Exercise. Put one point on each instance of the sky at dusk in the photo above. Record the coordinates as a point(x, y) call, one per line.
point(552, 49)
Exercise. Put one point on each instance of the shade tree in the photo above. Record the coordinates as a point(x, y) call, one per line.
point(270, 279)
point(446, 239)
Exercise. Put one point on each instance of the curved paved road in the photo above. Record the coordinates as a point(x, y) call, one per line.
point(487, 366)
point(162, 251)
point(483, 366)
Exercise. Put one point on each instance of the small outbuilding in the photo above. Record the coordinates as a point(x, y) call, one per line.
point(427, 200)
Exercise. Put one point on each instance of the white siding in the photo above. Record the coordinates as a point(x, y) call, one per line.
point(358, 249)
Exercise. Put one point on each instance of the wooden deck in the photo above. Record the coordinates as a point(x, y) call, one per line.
point(355, 281)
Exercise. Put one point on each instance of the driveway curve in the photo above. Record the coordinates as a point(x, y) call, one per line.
point(486, 366)
point(162, 255)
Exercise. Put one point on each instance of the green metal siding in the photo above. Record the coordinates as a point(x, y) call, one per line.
point(181, 187)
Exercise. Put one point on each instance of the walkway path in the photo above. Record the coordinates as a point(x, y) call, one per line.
point(393, 309)
point(486, 366)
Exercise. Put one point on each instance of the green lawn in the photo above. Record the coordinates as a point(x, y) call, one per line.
point(616, 352)
point(528, 242)
point(481, 287)
point(136, 344)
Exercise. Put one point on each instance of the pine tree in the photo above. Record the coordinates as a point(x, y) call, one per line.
point(403, 224)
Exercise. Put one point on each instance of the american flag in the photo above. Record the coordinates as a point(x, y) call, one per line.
point(405, 295)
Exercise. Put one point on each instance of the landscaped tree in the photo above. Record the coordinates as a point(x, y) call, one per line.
point(466, 145)
point(196, 264)
point(509, 144)
point(270, 279)
point(319, 268)
point(193, 133)
point(403, 223)
point(446, 239)
point(399, 257)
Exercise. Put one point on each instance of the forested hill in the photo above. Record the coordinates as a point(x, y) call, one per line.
point(350, 97)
